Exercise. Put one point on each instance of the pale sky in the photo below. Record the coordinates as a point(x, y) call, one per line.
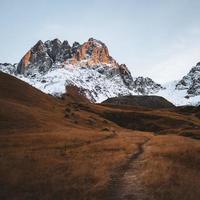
point(155, 38)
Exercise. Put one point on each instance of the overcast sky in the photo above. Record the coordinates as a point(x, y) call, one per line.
point(155, 38)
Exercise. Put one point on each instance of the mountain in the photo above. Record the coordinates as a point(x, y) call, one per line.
point(185, 91)
point(191, 82)
point(42, 56)
point(52, 65)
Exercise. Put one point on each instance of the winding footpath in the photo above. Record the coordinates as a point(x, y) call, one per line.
point(126, 185)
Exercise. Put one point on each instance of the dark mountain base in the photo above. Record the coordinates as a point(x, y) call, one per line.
point(141, 101)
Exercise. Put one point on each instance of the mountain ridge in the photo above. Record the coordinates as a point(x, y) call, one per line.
point(52, 65)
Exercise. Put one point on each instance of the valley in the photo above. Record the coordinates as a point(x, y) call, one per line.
point(70, 148)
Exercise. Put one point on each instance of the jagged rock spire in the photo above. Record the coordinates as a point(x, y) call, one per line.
point(44, 55)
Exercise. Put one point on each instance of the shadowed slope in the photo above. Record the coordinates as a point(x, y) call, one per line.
point(15, 90)
point(143, 101)
point(24, 107)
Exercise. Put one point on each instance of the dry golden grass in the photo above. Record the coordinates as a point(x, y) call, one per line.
point(66, 165)
point(170, 169)
point(69, 149)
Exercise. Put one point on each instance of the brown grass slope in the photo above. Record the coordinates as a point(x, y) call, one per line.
point(22, 106)
point(16, 90)
point(71, 149)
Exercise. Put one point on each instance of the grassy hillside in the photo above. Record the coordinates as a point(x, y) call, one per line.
point(71, 149)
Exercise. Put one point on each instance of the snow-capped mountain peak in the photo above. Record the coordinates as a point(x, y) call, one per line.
point(52, 65)
point(191, 82)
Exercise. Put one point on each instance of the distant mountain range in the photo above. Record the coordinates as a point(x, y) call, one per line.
point(52, 65)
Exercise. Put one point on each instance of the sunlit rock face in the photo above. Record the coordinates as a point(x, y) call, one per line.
point(52, 65)
point(43, 55)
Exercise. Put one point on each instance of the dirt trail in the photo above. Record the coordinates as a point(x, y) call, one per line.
point(125, 184)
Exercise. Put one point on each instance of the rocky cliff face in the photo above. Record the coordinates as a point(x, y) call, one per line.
point(42, 56)
point(146, 85)
point(92, 52)
point(36, 59)
point(191, 82)
point(52, 65)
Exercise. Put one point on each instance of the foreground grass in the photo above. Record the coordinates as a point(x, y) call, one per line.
point(70, 164)
point(170, 169)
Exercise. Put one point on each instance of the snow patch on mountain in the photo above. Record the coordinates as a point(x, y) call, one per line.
point(8, 68)
point(100, 85)
point(101, 82)
point(191, 82)
point(176, 96)
point(52, 65)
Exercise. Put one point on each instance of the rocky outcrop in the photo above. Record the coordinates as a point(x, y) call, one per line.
point(36, 59)
point(77, 94)
point(146, 85)
point(52, 65)
point(42, 56)
point(8, 68)
point(126, 75)
point(58, 51)
point(92, 52)
point(191, 82)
